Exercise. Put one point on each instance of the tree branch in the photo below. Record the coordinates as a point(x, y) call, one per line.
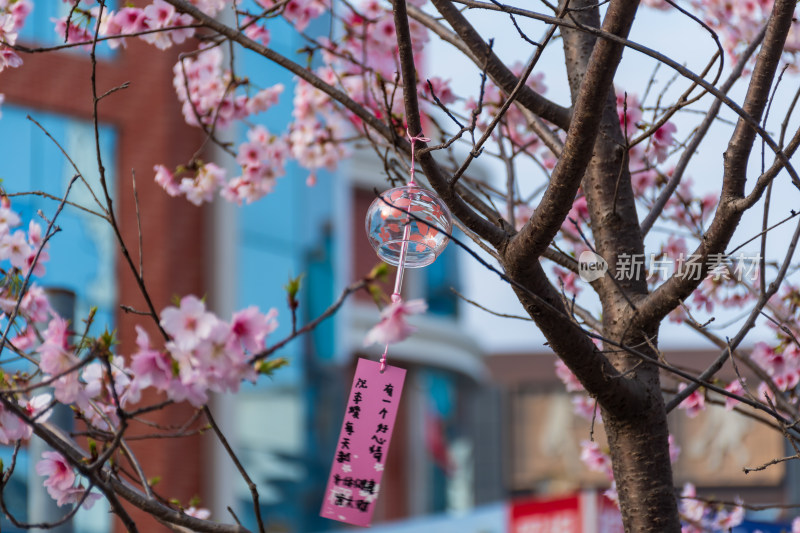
point(497, 70)
point(678, 287)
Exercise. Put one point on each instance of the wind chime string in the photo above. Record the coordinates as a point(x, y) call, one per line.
point(398, 281)
point(413, 141)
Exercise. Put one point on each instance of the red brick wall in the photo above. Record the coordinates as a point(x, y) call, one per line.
point(150, 130)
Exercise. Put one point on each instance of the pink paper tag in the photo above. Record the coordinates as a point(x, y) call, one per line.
point(363, 443)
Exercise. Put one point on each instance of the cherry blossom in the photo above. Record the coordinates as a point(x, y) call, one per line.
point(393, 326)
point(674, 449)
point(166, 179)
point(662, 141)
point(60, 482)
point(586, 408)
point(13, 428)
point(189, 323)
point(35, 304)
point(250, 327)
point(15, 248)
point(691, 508)
point(60, 477)
point(72, 33)
point(255, 31)
point(12, 18)
point(204, 185)
point(782, 364)
point(198, 512)
point(150, 367)
point(700, 517)
point(734, 387)
point(567, 377)
point(55, 354)
point(694, 404)
point(596, 459)
point(264, 99)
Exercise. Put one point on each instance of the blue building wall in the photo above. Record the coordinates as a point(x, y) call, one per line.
point(82, 253)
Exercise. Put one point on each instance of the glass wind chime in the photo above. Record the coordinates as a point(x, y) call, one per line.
point(408, 227)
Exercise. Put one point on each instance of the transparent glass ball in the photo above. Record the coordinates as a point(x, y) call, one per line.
point(424, 235)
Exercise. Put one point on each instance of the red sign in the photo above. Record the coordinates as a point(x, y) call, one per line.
point(587, 512)
point(562, 515)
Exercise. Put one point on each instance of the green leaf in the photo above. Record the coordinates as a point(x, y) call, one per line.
point(293, 286)
point(270, 366)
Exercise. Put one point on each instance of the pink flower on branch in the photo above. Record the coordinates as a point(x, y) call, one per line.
point(189, 324)
point(60, 482)
point(393, 326)
point(567, 377)
point(150, 367)
point(596, 459)
point(250, 327)
point(662, 141)
point(205, 353)
point(60, 477)
point(166, 179)
point(695, 403)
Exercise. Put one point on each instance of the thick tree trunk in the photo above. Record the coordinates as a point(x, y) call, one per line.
point(636, 427)
point(640, 457)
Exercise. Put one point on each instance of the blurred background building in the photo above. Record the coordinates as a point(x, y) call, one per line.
point(479, 432)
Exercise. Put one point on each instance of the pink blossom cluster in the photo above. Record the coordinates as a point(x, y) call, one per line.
point(317, 127)
point(737, 22)
point(695, 403)
point(62, 484)
point(205, 354)
point(699, 516)
point(567, 377)
point(211, 98)
point(781, 363)
point(263, 159)
point(17, 246)
point(362, 63)
point(369, 45)
point(58, 362)
point(12, 17)
point(298, 12)
point(201, 187)
point(89, 390)
point(153, 22)
point(158, 23)
point(105, 388)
